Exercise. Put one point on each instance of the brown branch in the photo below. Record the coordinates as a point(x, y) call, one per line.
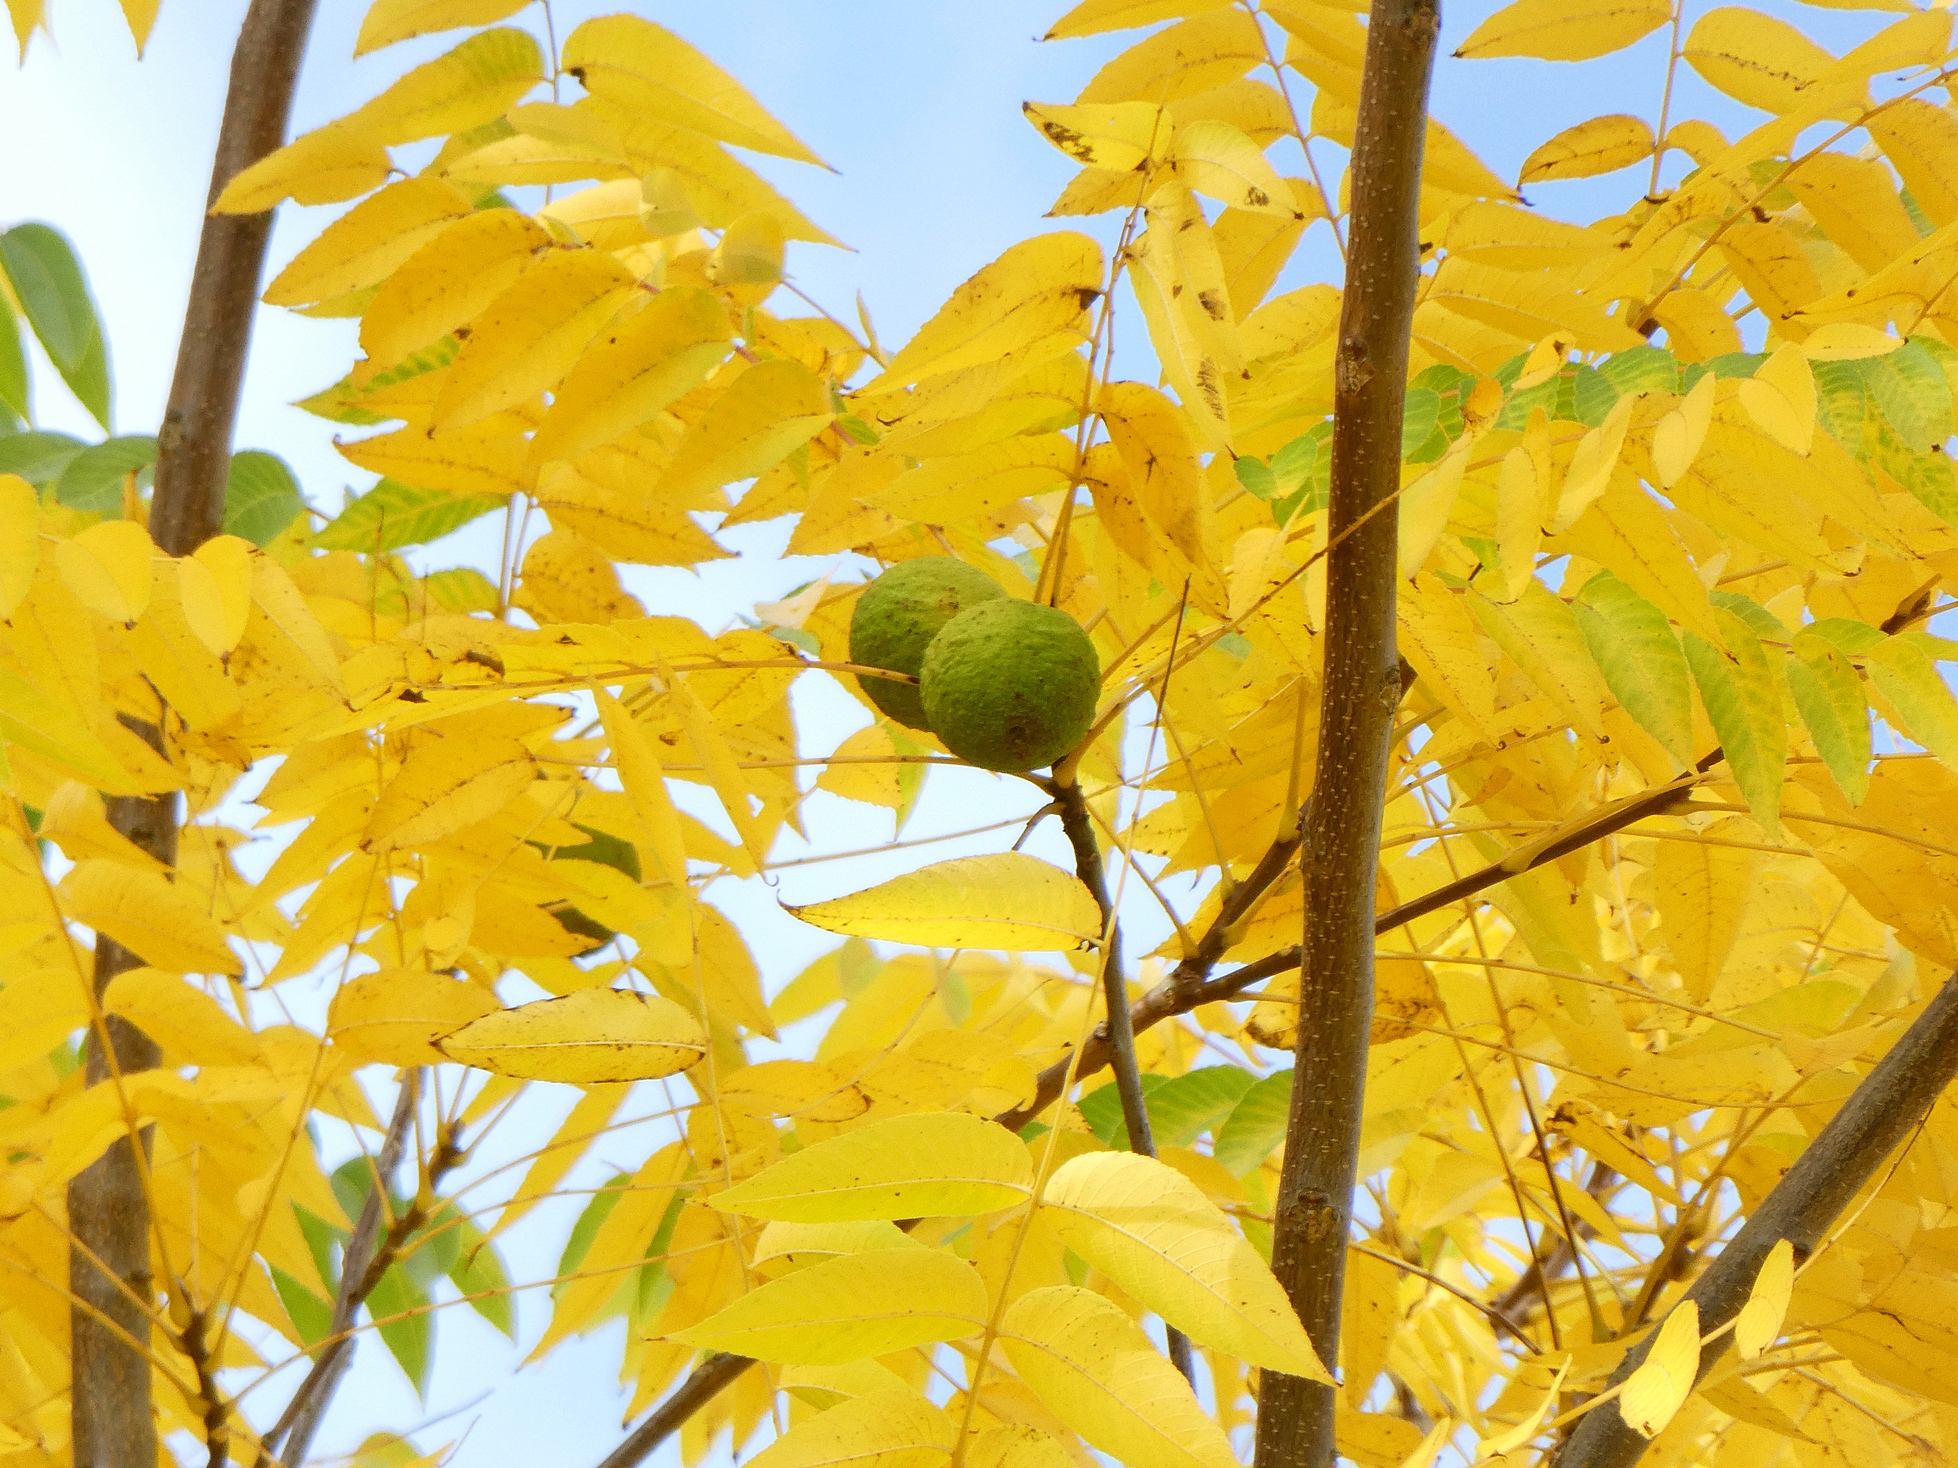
point(362, 1264)
point(706, 1381)
point(1360, 693)
point(1889, 1103)
point(194, 441)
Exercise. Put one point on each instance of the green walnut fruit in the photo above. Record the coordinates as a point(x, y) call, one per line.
point(898, 615)
point(1011, 685)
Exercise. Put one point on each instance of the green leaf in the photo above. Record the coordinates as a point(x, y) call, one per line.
point(340, 403)
point(479, 1274)
point(311, 1316)
point(38, 457)
point(14, 387)
point(1256, 477)
point(261, 497)
point(1256, 1124)
point(1185, 1107)
point(1420, 414)
point(1830, 697)
point(393, 514)
point(1739, 690)
point(410, 1338)
point(1635, 648)
point(579, 1242)
point(464, 589)
point(48, 282)
point(93, 479)
point(1903, 671)
point(1593, 395)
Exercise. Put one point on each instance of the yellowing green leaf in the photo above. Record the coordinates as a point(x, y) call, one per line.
point(394, 1015)
point(925, 1165)
point(1038, 288)
point(771, 410)
point(1742, 696)
point(149, 915)
point(388, 21)
point(880, 1429)
point(850, 1307)
point(632, 371)
point(1639, 654)
point(1903, 671)
point(1602, 145)
point(587, 1038)
point(1759, 1321)
point(1829, 695)
point(529, 337)
point(1095, 1370)
point(1009, 900)
point(646, 71)
point(107, 566)
point(446, 784)
point(1565, 30)
point(366, 244)
point(1659, 1388)
point(471, 85)
point(324, 166)
point(49, 728)
point(1149, 1228)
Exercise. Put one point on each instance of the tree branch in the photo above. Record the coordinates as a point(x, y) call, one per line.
point(1881, 1112)
point(1359, 696)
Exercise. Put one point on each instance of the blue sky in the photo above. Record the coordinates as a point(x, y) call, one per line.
point(916, 105)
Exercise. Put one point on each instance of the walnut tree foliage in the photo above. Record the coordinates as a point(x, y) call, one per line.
point(1676, 515)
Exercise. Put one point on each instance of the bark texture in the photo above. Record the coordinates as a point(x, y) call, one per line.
point(109, 1262)
point(1879, 1114)
point(1340, 857)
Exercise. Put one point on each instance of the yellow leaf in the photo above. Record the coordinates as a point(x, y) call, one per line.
point(287, 628)
point(1757, 59)
point(646, 71)
point(473, 84)
point(1759, 1322)
point(485, 460)
point(1095, 1370)
point(943, 491)
point(1676, 442)
point(850, 1307)
point(364, 246)
point(639, 771)
point(587, 1038)
point(324, 166)
point(1215, 158)
point(880, 1429)
point(855, 774)
point(566, 578)
point(1009, 900)
point(1186, 301)
point(769, 412)
point(925, 1165)
point(392, 1017)
point(1513, 1438)
point(20, 541)
point(149, 915)
point(1092, 17)
point(1438, 636)
point(1788, 374)
point(634, 369)
point(1431, 1445)
point(724, 774)
point(747, 263)
point(107, 566)
point(1038, 288)
point(1602, 145)
point(1152, 1231)
point(1519, 526)
point(1183, 61)
point(389, 21)
point(50, 728)
point(1153, 438)
point(530, 336)
point(801, 1244)
point(447, 282)
point(615, 514)
point(446, 784)
point(226, 562)
point(189, 1024)
point(1426, 505)
point(1591, 466)
point(1661, 1385)
point(1119, 136)
point(1565, 30)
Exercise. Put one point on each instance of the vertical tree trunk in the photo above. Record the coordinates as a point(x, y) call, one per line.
point(1340, 857)
point(108, 1210)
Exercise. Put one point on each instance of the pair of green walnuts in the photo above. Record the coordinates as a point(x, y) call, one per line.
point(1005, 684)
